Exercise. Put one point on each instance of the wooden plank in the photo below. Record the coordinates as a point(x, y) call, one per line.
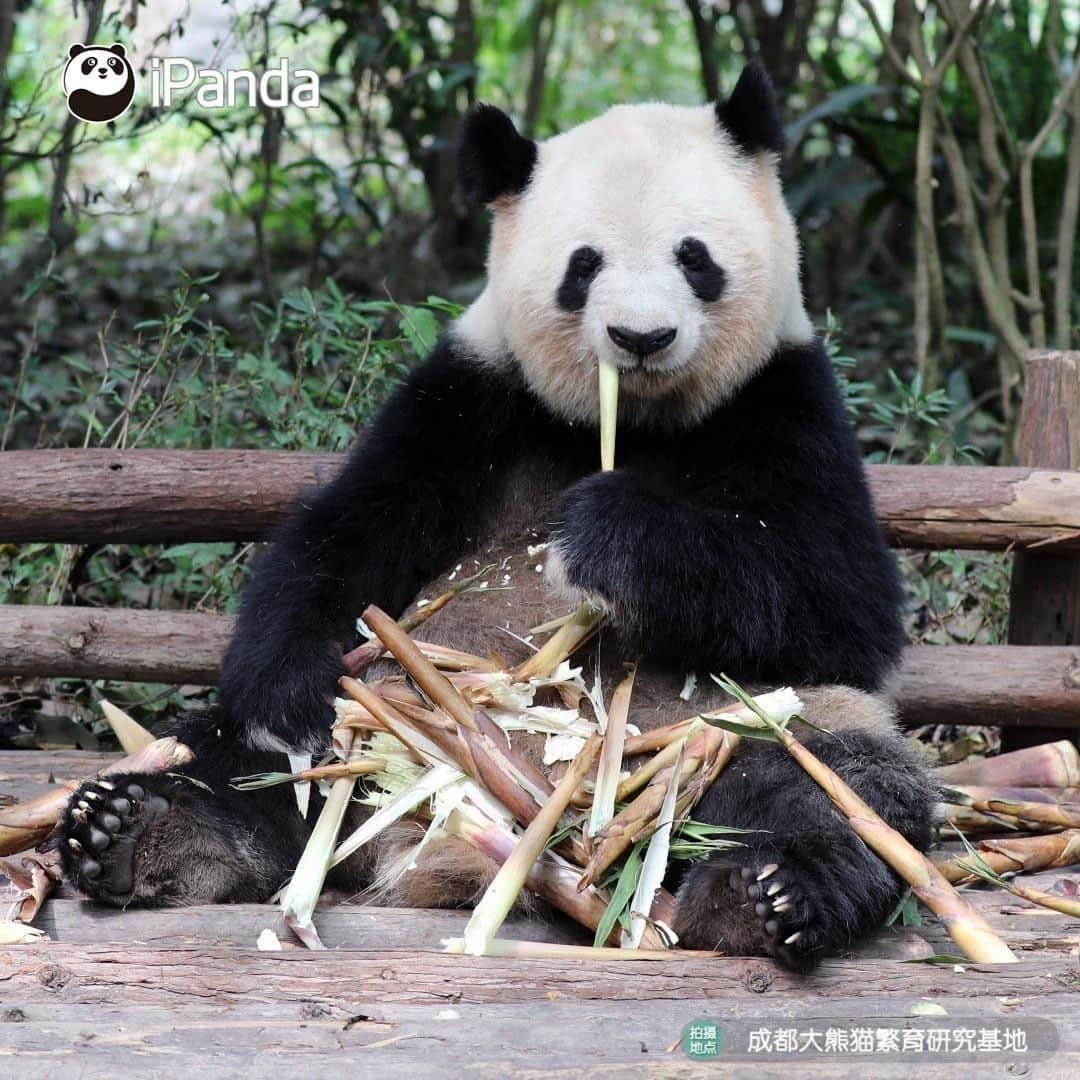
point(71, 921)
point(971, 684)
point(564, 1039)
point(145, 975)
point(1044, 604)
point(146, 496)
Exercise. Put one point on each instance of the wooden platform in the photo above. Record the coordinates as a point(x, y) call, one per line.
point(185, 992)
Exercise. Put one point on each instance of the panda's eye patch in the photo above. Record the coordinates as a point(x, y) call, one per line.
point(88, 65)
point(704, 277)
point(583, 266)
point(115, 65)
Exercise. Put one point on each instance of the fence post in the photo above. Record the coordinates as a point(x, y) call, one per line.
point(1045, 597)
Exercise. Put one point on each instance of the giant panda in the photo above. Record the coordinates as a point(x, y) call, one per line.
point(736, 535)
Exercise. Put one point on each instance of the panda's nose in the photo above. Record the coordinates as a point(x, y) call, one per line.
point(642, 343)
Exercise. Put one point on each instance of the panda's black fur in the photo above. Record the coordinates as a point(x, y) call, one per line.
point(745, 544)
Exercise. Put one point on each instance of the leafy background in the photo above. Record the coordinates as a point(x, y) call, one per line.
point(252, 277)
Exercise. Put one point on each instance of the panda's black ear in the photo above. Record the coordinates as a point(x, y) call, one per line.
point(117, 48)
point(493, 159)
point(750, 115)
point(75, 49)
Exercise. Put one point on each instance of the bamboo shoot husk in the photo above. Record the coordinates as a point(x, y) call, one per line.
point(1020, 855)
point(1055, 764)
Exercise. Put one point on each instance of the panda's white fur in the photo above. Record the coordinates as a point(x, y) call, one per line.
point(632, 183)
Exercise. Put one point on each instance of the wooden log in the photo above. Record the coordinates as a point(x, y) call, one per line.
point(107, 643)
point(968, 684)
point(145, 976)
point(1044, 605)
point(1011, 685)
point(148, 496)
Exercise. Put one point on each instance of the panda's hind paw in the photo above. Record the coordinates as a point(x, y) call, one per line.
point(753, 907)
point(100, 831)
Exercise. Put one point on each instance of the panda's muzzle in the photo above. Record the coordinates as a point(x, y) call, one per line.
point(642, 343)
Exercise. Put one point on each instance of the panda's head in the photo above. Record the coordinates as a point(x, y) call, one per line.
point(654, 236)
point(98, 81)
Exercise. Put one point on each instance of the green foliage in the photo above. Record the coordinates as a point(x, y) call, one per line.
point(206, 279)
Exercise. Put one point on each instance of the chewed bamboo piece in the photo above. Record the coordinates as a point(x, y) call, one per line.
point(302, 893)
point(26, 824)
point(131, 735)
point(365, 655)
point(1017, 855)
point(607, 773)
point(962, 922)
point(699, 748)
point(549, 877)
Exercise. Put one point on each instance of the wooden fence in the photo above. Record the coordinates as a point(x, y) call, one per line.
point(146, 496)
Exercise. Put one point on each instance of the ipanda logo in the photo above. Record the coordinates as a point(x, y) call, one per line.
point(99, 83)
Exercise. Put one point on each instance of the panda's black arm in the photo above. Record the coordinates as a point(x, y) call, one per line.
point(759, 554)
point(408, 501)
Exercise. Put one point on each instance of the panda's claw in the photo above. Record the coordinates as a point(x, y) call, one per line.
point(727, 907)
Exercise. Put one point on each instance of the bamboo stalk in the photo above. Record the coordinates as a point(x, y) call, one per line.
point(501, 894)
point(1065, 815)
point(26, 824)
point(985, 793)
point(609, 412)
point(437, 687)
point(1067, 905)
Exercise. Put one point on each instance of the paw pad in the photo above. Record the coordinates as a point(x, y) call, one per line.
point(783, 911)
point(100, 830)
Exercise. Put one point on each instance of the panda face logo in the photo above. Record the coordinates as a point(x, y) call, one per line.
point(98, 81)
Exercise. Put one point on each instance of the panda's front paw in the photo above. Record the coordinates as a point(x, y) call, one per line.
point(593, 555)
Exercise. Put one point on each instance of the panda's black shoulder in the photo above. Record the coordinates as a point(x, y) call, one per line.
point(451, 385)
point(798, 381)
point(794, 401)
